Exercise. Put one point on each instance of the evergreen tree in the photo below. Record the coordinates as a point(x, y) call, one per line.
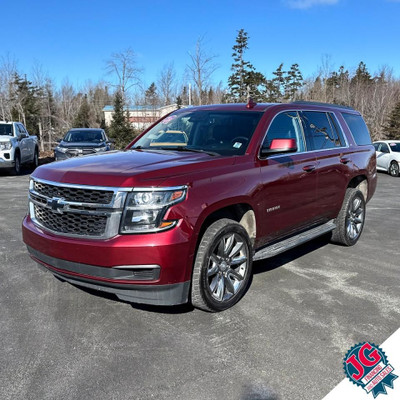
point(151, 96)
point(26, 99)
point(276, 87)
point(393, 124)
point(362, 76)
point(120, 129)
point(293, 82)
point(82, 119)
point(244, 80)
point(179, 102)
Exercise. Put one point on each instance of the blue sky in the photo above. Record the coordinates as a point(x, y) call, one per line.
point(73, 39)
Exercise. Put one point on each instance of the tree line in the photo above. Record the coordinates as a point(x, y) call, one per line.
point(49, 111)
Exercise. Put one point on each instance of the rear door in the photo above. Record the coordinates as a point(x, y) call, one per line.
point(287, 192)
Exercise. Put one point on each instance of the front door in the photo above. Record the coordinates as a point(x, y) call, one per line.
point(287, 193)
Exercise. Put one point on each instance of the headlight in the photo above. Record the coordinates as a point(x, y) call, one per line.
point(101, 148)
point(5, 145)
point(144, 210)
point(62, 149)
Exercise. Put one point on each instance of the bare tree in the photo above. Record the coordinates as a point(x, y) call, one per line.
point(123, 66)
point(8, 70)
point(166, 83)
point(201, 67)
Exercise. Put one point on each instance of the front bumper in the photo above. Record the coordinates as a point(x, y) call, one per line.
point(6, 163)
point(150, 269)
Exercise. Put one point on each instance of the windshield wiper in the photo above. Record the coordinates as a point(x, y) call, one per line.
point(176, 148)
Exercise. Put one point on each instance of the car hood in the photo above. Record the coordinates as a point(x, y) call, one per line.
point(131, 168)
point(5, 138)
point(80, 145)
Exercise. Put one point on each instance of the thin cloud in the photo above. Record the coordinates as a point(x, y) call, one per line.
point(304, 4)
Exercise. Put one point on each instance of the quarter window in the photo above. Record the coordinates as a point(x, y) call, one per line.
point(285, 125)
point(358, 128)
point(319, 131)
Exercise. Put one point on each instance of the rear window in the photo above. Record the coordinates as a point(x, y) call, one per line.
point(358, 128)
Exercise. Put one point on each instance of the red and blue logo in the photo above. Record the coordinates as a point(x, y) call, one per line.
point(366, 365)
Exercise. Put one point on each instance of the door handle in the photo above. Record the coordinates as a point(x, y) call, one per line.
point(344, 160)
point(309, 168)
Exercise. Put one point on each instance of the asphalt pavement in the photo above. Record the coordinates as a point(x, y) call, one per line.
point(285, 339)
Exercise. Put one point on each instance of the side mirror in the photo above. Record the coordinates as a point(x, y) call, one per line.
point(279, 146)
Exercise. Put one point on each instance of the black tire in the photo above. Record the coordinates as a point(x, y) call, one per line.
point(351, 218)
point(394, 169)
point(223, 266)
point(17, 164)
point(35, 162)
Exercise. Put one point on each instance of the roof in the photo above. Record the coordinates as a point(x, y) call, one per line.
point(86, 129)
point(145, 107)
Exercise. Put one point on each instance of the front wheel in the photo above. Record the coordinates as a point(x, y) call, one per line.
point(17, 164)
point(223, 265)
point(351, 218)
point(394, 168)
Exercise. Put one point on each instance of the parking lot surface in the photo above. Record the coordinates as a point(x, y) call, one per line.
point(285, 339)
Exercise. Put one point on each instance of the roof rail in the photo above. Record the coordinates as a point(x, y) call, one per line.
point(319, 103)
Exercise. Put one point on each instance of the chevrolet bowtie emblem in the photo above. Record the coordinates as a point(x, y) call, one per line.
point(56, 204)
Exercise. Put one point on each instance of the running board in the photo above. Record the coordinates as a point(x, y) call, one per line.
point(280, 247)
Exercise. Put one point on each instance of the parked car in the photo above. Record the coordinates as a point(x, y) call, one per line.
point(388, 156)
point(17, 147)
point(181, 214)
point(82, 141)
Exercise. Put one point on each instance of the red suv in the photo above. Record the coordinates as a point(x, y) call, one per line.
point(183, 211)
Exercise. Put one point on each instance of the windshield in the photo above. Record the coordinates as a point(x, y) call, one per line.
point(221, 132)
point(395, 146)
point(6, 129)
point(94, 136)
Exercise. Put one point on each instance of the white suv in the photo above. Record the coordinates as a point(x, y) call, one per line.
point(388, 156)
point(17, 147)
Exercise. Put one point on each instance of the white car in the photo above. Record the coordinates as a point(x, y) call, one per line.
point(388, 156)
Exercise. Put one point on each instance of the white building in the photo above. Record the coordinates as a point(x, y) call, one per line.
point(141, 116)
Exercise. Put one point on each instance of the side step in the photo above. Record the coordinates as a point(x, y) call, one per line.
point(280, 247)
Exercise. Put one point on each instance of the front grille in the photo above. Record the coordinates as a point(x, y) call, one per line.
point(77, 210)
point(73, 194)
point(71, 223)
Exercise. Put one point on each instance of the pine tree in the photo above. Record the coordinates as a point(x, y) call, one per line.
point(393, 124)
point(244, 80)
point(26, 99)
point(151, 96)
point(277, 85)
point(293, 82)
point(82, 119)
point(120, 129)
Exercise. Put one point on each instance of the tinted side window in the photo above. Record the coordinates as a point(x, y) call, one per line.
point(319, 132)
point(376, 145)
point(358, 128)
point(285, 125)
point(384, 148)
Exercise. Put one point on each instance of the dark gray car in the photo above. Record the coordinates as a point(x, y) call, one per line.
point(82, 141)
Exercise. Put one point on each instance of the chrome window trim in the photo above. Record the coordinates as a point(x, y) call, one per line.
point(302, 129)
point(269, 126)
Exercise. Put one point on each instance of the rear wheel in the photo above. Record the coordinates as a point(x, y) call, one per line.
point(35, 161)
point(223, 266)
point(350, 221)
point(394, 168)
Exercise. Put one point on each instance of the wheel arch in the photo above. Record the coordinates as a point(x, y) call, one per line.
point(242, 213)
point(360, 182)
